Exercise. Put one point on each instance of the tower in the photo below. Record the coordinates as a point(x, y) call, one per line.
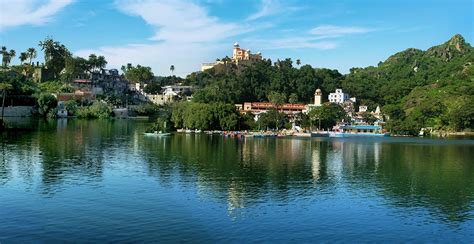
point(318, 97)
point(237, 52)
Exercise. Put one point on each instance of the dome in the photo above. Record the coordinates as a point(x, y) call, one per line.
point(317, 92)
point(236, 44)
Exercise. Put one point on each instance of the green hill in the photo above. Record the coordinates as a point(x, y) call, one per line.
point(432, 88)
point(416, 88)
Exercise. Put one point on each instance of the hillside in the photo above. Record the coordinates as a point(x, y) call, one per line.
point(432, 88)
point(416, 88)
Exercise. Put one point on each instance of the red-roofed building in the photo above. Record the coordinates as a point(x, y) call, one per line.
point(261, 107)
point(78, 95)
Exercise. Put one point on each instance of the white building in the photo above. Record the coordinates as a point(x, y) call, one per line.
point(177, 89)
point(362, 109)
point(338, 97)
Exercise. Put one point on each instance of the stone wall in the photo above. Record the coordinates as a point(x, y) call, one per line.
point(18, 111)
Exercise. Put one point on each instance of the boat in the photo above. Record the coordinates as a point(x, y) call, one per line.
point(359, 131)
point(302, 134)
point(157, 133)
point(319, 134)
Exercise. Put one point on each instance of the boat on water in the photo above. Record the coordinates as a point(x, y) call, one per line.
point(359, 131)
point(157, 133)
point(320, 134)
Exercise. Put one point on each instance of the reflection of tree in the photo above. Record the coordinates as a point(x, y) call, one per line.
point(17, 146)
point(438, 177)
point(77, 149)
point(238, 172)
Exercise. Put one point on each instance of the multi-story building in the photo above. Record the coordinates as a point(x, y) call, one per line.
point(338, 96)
point(238, 55)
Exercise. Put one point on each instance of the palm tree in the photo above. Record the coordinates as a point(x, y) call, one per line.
point(101, 62)
point(172, 69)
point(4, 56)
point(298, 62)
point(11, 54)
point(4, 86)
point(92, 62)
point(23, 57)
point(31, 53)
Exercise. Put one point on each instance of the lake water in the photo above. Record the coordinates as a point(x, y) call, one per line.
point(104, 181)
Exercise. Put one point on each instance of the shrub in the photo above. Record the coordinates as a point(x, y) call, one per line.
point(71, 107)
point(98, 109)
point(46, 102)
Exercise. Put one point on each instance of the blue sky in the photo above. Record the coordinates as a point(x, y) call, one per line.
point(158, 33)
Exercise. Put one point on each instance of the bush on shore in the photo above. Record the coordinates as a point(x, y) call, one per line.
point(98, 109)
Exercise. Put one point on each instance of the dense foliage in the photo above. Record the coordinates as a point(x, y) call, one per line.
point(433, 88)
point(137, 73)
point(47, 104)
point(326, 116)
point(205, 116)
point(98, 109)
point(415, 88)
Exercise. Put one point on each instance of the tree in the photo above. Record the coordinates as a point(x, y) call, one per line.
point(101, 62)
point(272, 119)
point(23, 57)
point(172, 69)
point(138, 73)
point(7, 56)
point(293, 98)
point(327, 116)
point(277, 98)
point(11, 54)
point(31, 54)
point(4, 56)
point(4, 86)
point(95, 63)
point(55, 55)
point(298, 62)
point(46, 103)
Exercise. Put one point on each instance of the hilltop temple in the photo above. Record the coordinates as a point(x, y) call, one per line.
point(239, 55)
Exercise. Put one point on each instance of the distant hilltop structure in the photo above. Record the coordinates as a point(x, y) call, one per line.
point(239, 55)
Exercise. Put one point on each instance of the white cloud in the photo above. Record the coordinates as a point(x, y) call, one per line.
point(268, 7)
point(185, 36)
point(334, 31)
point(272, 7)
point(29, 12)
point(179, 21)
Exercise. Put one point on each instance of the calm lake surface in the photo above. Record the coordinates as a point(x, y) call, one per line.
point(104, 181)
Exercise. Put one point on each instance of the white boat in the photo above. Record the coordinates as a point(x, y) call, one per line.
point(157, 133)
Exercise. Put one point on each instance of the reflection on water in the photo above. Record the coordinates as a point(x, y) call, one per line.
point(411, 185)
